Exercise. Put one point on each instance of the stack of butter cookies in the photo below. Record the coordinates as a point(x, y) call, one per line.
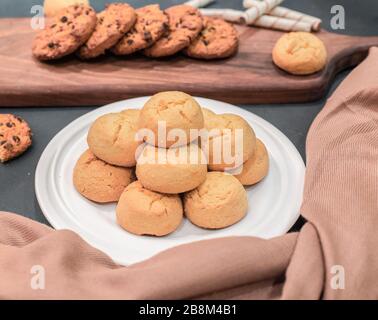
point(123, 31)
point(166, 161)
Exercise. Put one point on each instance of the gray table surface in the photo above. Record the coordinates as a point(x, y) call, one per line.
point(17, 177)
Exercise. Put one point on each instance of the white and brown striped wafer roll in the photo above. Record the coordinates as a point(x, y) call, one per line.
point(287, 13)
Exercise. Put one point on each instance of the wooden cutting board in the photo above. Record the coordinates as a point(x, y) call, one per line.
point(249, 77)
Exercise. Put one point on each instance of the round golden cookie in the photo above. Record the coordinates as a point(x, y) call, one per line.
point(69, 30)
point(218, 39)
point(172, 171)
point(112, 24)
point(150, 26)
point(300, 53)
point(98, 181)
point(15, 136)
point(185, 23)
point(144, 212)
point(231, 141)
point(217, 203)
point(178, 111)
point(112, 138)
point(256, 167)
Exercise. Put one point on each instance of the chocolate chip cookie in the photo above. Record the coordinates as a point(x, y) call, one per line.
point(69, 30)
point(218, 39)
point(150, 26)
point(15, 136)
point(112, 24)
point(185, 23)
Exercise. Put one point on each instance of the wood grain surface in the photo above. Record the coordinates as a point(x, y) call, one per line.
point(249, 77)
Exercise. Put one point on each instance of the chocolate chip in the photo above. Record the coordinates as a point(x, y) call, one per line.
point(148, 36)
point(87, 12)
point(16, 139)
point(130, 42)
point(3, 142)
point(9, 124)
point(51, 45)
point(8, 146)
point(205, 42)
point(64, 19)
point(20, 119)
point(53, 26)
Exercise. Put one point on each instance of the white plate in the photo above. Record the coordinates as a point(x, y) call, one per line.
point(273, 204)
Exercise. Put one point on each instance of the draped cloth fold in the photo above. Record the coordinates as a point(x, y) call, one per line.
point(334, 256)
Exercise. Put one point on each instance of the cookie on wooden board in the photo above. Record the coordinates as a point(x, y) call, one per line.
point(112, 24)
point(185, 23)
point(218, 39)
point(150, 26)
point(300, 53)
point(69, 30)
point(15, 136)
point(52, 7)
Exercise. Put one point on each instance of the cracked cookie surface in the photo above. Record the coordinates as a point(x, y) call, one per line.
point(144, 212)
point(150, 26)
point(300, 53)
point(219, 202)
point(218, 39)
point(112, 138)
point(228, 127)
point(185, 23)
point(15, 136)
point(172, 171)
point(112, 24)
point(177, 110)
point(256, 167)
point(99, 181)
point(69, 30)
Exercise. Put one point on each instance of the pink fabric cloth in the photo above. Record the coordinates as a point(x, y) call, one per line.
point(340, 204)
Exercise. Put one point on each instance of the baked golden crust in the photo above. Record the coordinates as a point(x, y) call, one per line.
point(172, 171)
point(300, 53)
point(256, 167)
point(112, 138)
point(217, 203)
point(185, 23)
point(98, 181)
point(112, 24)
point(15, 136)
point(69, 30)
point(218, 39)
point(144, 212)
point(150, 26)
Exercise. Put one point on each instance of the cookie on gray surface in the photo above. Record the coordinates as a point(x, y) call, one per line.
point(69, 30)
point(15, 136)
point(150, 26)
point(112, 24)
point(185, 23)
